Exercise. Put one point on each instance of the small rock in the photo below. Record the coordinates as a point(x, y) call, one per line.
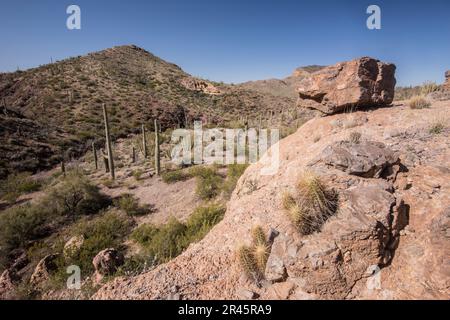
point(244, 294)
point(73, 246)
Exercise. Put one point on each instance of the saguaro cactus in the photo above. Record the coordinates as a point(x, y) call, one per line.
point(144, 142)
point(108, 144)
point(94, 152)
point(157, 153)
point(133, 155)
point(63, 167)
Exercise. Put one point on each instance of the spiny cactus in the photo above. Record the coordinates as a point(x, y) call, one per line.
point(253, 258)
point(247, 260)
point(258, 236)
point(355, 137)
point(311, 205)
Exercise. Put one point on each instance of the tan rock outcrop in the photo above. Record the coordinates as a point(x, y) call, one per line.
point(447, 80)
point(388, 240)
point(106, 262)
point(200, 85)
point(359, 83)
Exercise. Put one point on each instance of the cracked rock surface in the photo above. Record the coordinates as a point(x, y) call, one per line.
point(390, 238)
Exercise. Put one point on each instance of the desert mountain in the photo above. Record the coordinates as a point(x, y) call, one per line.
point(54, 111)
point(286, 87)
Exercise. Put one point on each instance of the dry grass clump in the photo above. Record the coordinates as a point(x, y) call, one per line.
point(355, 137)
point(418, 102)
point(253, 258)
point(311, 205)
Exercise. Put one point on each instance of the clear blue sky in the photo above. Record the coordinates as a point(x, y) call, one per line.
point(234, 41)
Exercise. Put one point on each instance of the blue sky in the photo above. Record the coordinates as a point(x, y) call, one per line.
point(234, 41)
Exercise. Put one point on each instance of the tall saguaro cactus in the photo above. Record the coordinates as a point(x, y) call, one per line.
point(94, 152)
point(108, 144)
point(144, 142)
point(157, 153)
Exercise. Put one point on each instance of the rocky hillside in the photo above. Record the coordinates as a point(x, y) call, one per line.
point(54, 111)
point(286, 87)
point(388, 239)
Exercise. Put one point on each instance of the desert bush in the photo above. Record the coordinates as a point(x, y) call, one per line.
point(76, 195)
point(168, 241)
point(209, 181)
point(202, 220)
point(437, 128)
point(429, 87)
point(18, 226)
point(311, 204)
point(130, 205)
point(235, 171)
point(105, 231)
point(137, 174)
point(17, 184)
point(175, 176)
point(418, 102)
point(162, 243)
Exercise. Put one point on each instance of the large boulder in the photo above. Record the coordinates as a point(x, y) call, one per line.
point(447, 80)
point(43, 270)
point(364, 82)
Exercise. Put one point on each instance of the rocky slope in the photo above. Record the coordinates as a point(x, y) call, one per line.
point(388, 240)
point(62, 103)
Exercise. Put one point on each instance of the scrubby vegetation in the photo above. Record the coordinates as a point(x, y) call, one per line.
point(168, 241)
point(418, 102)
point(406, 93)
point(437, 127)
point(175, 176)
point(312, 203)
point(107, 230)
point(16, 185)
point(70, 197)
point(131, 206)
point(235, 171)
point(209, 182)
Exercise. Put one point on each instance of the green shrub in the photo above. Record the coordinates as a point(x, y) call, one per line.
point(437, 128)
point(162, 243)
point(16, 185)
point(175, 176)
point(130, 205)
point(201, 222)
point(18, 226)
point(137, 174)
point(76, 195)
point(102, 232)
point(168, 241)
point(235, 171)
point(208, 187)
